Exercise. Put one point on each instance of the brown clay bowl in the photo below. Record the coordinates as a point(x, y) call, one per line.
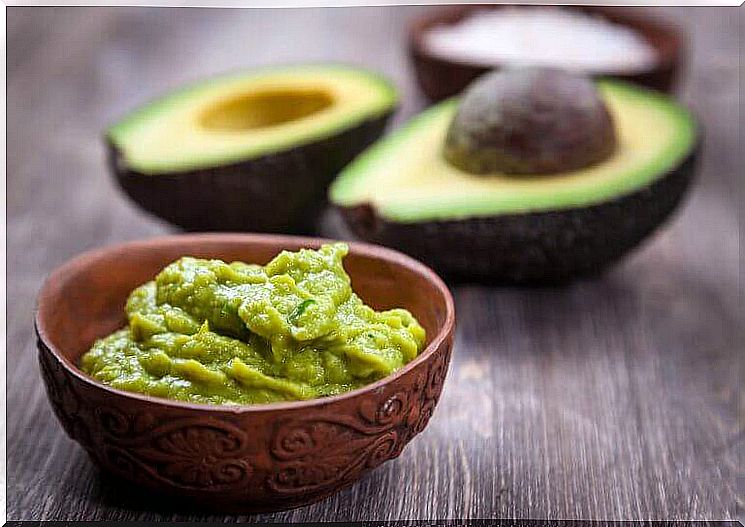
point(236, 458)
point(440, 78)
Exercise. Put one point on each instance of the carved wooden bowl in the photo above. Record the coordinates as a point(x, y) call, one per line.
point(440, 78)
point(241, 458)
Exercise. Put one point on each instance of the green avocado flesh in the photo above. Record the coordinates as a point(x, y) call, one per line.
point(241, 117)
point(208, 331)
point(405, 177)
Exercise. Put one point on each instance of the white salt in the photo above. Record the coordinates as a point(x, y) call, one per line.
point(545, 36)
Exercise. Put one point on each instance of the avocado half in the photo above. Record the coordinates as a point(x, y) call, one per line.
point(545, 228)
point(253, 151)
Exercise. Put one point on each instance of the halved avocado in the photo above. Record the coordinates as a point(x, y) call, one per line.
point(254, 151)
point(543, 228)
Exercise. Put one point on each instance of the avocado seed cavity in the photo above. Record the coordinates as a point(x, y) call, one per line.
point(263, 109)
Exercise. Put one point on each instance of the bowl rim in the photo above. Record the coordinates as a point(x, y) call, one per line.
point(444, 332)
point(623, 15)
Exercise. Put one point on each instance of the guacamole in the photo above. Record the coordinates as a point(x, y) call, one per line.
point(213, 332)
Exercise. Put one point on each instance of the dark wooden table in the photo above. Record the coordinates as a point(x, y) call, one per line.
point(615, 398)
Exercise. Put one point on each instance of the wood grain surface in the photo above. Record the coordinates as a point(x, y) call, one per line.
point(618, 397)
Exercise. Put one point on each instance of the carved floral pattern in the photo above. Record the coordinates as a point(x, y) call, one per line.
point(63, 397)
point(317, 453)
point(187, 452)
point(311, 455)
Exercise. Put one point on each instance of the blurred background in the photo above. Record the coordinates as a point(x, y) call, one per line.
point(617, 397)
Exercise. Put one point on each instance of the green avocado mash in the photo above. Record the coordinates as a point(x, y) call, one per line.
point(212, 332)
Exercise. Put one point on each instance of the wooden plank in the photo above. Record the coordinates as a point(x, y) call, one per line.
point(614, 398)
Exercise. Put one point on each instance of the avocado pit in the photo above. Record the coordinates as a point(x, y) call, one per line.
point(530, 121)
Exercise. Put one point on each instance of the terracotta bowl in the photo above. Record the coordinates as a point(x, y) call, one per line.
point(441, 78)
point(236, 458)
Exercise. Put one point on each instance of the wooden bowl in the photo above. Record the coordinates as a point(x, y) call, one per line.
point(440, 78)
point(237, 458)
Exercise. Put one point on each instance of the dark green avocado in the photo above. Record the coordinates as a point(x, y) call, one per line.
point(526, 229)
point(249, 152)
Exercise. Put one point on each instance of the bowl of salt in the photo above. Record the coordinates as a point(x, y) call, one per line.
point(450, 47)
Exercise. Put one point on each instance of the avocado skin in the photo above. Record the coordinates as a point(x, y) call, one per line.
point(280, 192)
point(536, 248)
